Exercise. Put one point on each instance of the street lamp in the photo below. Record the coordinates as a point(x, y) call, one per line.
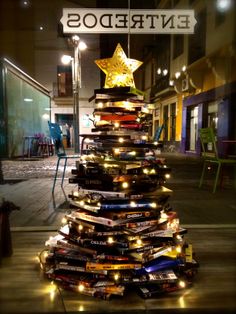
point(76, 78)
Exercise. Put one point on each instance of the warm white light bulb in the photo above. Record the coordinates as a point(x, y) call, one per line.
point(165, 72)
point(66, 59)
point(177, 75)
point(82, 45)
point(182, 284)
point(110, 240)
point(81, 288)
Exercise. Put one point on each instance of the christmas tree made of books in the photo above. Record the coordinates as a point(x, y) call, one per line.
point(121, 232)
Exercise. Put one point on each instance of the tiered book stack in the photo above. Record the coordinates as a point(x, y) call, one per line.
point(121, 232)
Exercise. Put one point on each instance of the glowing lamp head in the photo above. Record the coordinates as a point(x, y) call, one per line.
point(66, 59)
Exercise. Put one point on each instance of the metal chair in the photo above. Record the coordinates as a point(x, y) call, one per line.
point(210, 155)
point(158, 133)
point(56, 135)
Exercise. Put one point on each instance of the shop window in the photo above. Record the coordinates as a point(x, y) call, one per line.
point(192, 128)
point(212, 115)
point(64, 81)
point(166, 123)
point(172, 121)
point(197, 43)
point(178, 45)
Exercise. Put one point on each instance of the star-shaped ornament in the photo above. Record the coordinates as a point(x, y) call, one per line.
point(118, 69)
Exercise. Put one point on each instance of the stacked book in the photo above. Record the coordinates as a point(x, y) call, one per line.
point(108, 245)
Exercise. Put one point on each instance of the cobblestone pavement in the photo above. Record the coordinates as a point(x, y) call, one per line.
point(33, 168)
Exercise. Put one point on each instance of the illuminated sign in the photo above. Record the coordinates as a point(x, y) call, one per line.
point(78, 20)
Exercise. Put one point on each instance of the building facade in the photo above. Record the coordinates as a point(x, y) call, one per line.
point(193, 78)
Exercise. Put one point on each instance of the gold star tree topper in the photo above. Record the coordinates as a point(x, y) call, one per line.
point(118, 69)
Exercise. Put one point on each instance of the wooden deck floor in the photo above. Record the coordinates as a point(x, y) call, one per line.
point(23, 289)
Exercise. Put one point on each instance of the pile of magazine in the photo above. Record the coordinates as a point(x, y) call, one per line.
point(108, 245)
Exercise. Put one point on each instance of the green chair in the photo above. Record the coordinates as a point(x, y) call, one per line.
point(210, 155)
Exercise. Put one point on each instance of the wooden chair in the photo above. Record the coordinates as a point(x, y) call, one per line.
point(207, 138)
point(56, 135)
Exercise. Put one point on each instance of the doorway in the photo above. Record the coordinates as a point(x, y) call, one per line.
point(192, 128)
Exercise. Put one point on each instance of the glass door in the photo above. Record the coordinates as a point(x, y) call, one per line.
point(193, 128)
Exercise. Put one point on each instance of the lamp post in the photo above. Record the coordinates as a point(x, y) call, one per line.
point(76, 79)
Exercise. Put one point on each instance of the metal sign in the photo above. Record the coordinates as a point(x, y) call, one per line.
point(89, 20)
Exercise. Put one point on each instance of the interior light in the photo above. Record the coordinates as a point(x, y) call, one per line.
point(171, 82)
point(159, 71)
point(184, 68)
point(121, 140)
point(46, 116)
point(100, 105)
point(41, 28)
point(28, 99)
